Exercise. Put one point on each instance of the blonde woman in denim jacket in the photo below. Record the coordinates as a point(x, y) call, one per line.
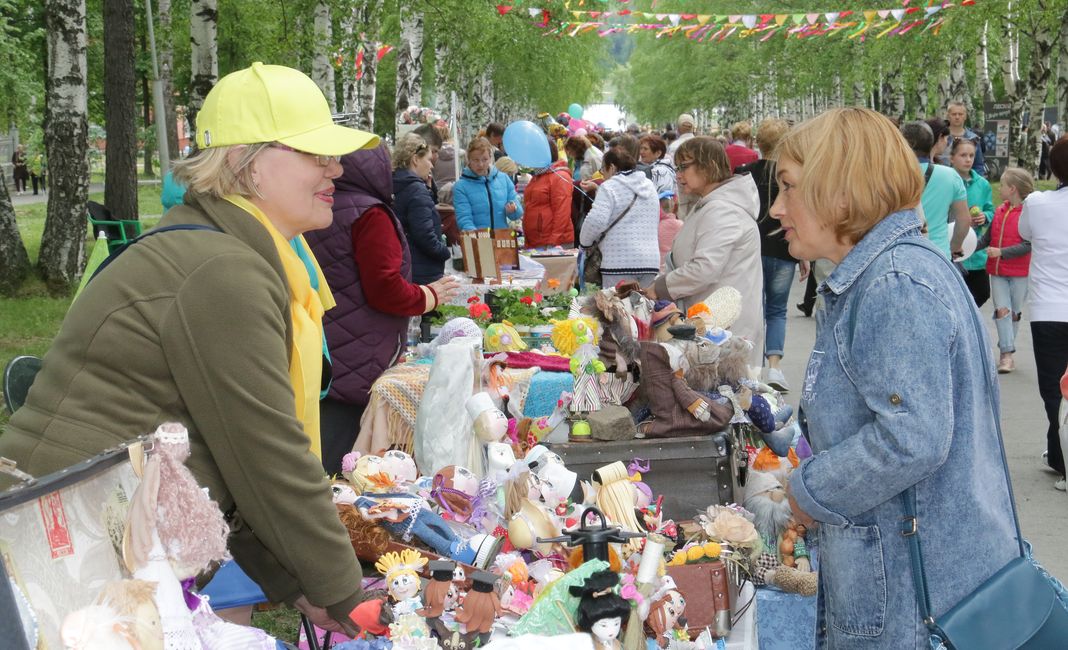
point(896, 391)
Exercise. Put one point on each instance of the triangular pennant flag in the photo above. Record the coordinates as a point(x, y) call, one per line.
point(534, 12)
point(898, 14)
point(595, 14)
point(577, 14)
point(780, 19)
point(382, 51)
point(869, 15)
point(933, 10)
point(503, 9)
point(749, 20)
point(688, 16)
point(674, 19)
point(799, 19)
point(359, 64)
point(812, 18)
point(883, 13)
point(703, 19)
point(831, 16)
point(733, 19)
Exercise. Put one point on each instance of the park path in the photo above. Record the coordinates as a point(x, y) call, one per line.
point(1043, 510)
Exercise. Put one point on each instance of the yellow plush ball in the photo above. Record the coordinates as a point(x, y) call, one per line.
point(712, 550)
point(694, 553)
point(678, 559)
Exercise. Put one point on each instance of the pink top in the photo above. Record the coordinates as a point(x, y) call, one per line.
point(667, 229)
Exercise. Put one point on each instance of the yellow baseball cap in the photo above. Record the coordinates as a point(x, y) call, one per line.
point(273, 103)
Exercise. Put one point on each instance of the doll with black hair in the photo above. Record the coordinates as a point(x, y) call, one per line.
point(601, 610)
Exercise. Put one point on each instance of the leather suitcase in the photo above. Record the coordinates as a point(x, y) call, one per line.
point(692, 472)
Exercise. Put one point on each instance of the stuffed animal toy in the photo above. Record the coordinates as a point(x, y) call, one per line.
point(785, 559)
point(503, 337)
point(677, 409)
point(665, 316)
point(568, 335)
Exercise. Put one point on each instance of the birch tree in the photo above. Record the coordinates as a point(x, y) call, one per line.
point(1015, 87)
point(120, 109)
point(982, 65)
point(204, 58)
point(409, 57)
point(66, 130)
point(165, 51)
point(1062, 71)
point(1039, 74)
point(14, 262)
point(322, 65)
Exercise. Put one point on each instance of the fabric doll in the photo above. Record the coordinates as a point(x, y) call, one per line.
point(135, 601)
point(601, 610)
point(480, 609)
point(785, 559)
point(677, 409)
point(503, 337)
point(624, 315)
point(454, 490)
point(399, 467)
point(665, 614)
point(586, 366)
point(490, 423)
point(406, 516)
point(571, 334)
point(439, 596)
point(665, 316)
point(97, 627)
point(617, 498)
point(555, 609)
point(401, 571)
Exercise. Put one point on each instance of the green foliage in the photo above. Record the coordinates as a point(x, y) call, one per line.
point(22, 47)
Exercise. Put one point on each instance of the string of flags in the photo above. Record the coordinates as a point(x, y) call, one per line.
point(877, 23)
point(381, 50)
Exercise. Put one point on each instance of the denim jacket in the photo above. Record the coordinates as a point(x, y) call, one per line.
point(897, 396)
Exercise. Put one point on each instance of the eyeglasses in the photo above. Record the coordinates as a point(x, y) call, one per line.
point(681, 167)
point(322, 160)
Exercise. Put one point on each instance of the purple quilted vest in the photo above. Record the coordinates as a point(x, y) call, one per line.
point(363, 341)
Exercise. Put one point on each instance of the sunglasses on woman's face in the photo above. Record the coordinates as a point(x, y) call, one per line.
point(323, 161)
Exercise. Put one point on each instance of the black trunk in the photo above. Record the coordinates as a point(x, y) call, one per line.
point(14, 262)
point(146, 110)
point(120, 109)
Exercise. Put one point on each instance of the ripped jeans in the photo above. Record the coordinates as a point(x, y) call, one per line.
point(1008, 293)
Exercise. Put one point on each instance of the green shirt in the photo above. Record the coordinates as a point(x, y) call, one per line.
point(944, 188)
point(980, 196)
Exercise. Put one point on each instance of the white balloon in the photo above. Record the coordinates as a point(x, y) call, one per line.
point(968, 247)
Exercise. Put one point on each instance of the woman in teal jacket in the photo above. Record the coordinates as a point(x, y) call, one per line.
point(981, 206)
point(483, 196)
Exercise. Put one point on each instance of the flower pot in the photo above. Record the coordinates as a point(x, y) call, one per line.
point(541, 331)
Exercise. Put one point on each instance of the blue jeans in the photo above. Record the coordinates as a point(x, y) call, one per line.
point(1008, 293)
point(778, 276)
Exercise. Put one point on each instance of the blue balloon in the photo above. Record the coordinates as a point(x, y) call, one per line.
point(527, 145)
point(575, 111)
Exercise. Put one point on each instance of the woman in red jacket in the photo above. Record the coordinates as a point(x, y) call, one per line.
point(547, 205)
point(1008, 260)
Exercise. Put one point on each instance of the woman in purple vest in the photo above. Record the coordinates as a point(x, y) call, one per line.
point(364, 256)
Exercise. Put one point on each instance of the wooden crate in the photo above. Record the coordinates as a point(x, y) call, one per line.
point(692, 472)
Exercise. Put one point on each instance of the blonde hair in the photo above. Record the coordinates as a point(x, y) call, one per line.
point(209, 171)
point(408, 149)
point(617, 497)
point(1019, 179)
point(708, 155)
point(769, 133)
point(479, 144)
point(742, 131)
point(856, 168)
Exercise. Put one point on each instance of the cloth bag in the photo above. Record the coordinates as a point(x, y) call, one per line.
point(591, 270)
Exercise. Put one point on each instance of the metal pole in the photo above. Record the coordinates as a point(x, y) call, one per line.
point(157, 97)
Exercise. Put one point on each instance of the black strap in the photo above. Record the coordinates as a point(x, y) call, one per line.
point(614, 222)
point(927, 174)
point(910, 524)
point(121, 249)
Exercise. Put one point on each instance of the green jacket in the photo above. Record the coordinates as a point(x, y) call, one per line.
point(979, 195)
point(194, 327)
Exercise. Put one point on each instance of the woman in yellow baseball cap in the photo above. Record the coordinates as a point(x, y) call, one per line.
point(214, 320)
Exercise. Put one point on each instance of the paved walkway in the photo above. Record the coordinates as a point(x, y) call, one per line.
point(30, 198)
point(1043, 510)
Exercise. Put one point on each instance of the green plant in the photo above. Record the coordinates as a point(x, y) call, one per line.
point(446, 313)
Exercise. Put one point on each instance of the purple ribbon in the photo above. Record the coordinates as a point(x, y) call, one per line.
point(438, 492)
point(639, 465)
point(192, 601)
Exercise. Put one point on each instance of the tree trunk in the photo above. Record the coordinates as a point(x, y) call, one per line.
point(410, 58)
point(66, 130)
point(958, 81)
point(1038, 85)
point(1015, 87)
point(441, 77)
point(982, 66)
point(165, 52)
point(204, 61)
point(146, 110)
point(14, 262)
point(923, 89)
point(859, 94)
point(120, 110)
point(1062, 72)
point(322, 66)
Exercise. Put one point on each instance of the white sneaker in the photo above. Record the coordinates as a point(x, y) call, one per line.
point(1059, 485)
point(777, 380)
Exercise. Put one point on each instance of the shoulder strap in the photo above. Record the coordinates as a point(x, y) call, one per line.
point(927, 174)
point(615, 221)
point(155, 231)
point(910, 525)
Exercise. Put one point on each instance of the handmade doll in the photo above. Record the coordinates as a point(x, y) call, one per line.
point(438, 595)
point(514, 588)
point(499, 457)
point(569, 335)
point(665, 315)
point(530, 522)
point(601, 610)
point(490, 423)
point(785, 560)
point(135, 601)
point(586, 366)
point(503, 337)
point(665, 615)
point(677, 409)
point(399, 467)
point(617, 499)
point(454, 490)
point(401, 571)
point(97, 627)
point(480, 609)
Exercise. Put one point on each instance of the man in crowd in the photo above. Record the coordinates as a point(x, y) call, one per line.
point(957, 114)
point(685, 128)
point(944, 199)
point(495, 134)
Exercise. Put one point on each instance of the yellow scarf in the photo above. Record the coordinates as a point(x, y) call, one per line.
point(306, 307)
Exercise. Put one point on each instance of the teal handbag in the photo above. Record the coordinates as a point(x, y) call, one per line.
point(1017, 607)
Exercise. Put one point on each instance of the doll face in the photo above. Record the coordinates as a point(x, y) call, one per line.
point(458, 574)
point(343, 493)
point(674, 608)
point(500, 457)
point(491, 426)
point(464, 480)
point(404, 585)
point(452, 597)
point(606, 630)
point(399, 466)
